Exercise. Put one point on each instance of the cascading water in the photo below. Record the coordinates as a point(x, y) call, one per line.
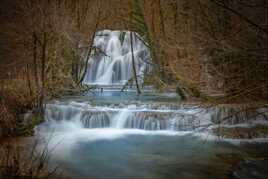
point(120, 119)
point(129, 117)
point(111, 62)
point(109, 134)
point(153, 117)
point(92, 138)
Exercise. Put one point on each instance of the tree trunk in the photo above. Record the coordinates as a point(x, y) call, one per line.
point(90, 47)
point(29, 80)
point(162, 25)
point(43, 63)
point(35, 68)
point(87, 57)
point(133, 64)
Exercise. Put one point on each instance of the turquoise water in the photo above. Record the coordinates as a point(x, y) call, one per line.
point(127, 153)
point(117, 97)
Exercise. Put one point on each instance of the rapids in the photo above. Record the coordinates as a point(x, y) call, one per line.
point(121, 135)
point(112, 134)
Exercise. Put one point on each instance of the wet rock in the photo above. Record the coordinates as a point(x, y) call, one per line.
point(258, 131)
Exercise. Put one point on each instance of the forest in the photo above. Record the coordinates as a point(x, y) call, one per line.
point(85, 84)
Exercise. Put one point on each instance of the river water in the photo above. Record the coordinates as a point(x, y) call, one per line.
point(115, 135)
point(121, 135)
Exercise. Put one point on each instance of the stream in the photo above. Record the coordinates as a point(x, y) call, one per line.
point(106, 133)
point(115, 135)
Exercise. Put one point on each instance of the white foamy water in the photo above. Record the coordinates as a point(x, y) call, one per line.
point(112, 65)
point(126, 117)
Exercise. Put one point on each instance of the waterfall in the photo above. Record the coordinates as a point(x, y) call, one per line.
point(110, 62)
point(120, 119)
point(150, 117)
point(129, 117)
